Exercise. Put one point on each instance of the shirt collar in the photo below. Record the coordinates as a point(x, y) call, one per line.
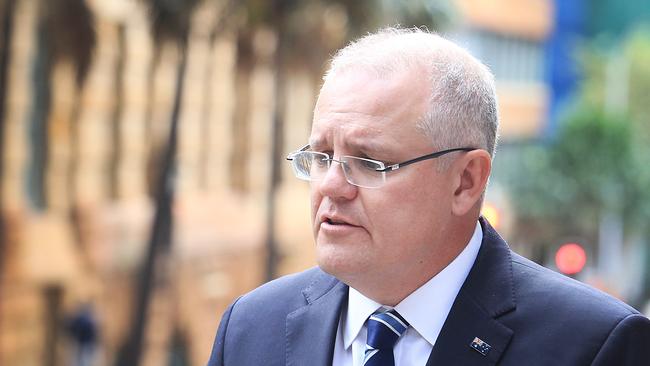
point(423, 315)
point(359, 309)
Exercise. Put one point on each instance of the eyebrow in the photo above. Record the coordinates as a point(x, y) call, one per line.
point(369, 147)
point(312, 142)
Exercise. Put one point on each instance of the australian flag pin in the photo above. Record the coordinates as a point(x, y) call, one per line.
point(479, 346)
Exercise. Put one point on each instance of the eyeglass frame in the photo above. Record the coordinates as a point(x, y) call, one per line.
point(387, 167)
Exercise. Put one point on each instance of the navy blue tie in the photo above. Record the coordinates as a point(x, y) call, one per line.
point(384, 329)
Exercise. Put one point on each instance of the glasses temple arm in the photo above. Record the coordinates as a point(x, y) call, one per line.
point(424, 157)
point(292, 154)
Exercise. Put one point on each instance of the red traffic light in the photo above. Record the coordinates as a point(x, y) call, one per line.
point(570, 258)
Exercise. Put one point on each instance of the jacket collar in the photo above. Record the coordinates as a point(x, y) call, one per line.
point(487, 294)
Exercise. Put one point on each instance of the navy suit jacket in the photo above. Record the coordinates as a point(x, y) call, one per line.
point(527, 314)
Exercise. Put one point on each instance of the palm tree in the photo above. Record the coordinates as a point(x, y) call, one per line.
point(170, 23)
point(65, 34)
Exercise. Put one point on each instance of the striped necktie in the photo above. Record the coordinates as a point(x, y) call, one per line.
point(383, 331)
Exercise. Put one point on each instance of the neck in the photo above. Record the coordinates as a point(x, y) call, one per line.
point(391, 288)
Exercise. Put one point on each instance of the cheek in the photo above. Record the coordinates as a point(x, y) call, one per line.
point(414, 214)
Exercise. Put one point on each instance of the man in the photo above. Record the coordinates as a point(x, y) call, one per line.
point(398, 160)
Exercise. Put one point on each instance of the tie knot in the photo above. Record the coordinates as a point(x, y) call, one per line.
point(384, 329)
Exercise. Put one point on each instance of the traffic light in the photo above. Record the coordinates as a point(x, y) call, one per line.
point(570, 258)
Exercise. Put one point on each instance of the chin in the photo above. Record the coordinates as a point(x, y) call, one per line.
point(342, 263)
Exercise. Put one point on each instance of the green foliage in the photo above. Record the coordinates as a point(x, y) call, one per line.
point(591, 168)
point(595, 150)
point(637, 51)
point(626, 64)
point(599, 160)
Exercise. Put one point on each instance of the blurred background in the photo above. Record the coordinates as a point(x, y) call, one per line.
point(142, 176)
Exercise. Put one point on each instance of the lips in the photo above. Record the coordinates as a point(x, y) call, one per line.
point(335, 226)
point(336, 220)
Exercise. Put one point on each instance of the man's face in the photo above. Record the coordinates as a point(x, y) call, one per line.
point(367, 237)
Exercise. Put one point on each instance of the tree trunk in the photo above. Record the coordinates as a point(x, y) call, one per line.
point(160, 240)
point(277, 134)
point(53, 297)
point(6, 31)
point(152, 148)
point(241, 118)
point(40, 110)
point(116, 130)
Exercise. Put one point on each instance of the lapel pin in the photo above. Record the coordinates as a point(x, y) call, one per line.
point(479, 346)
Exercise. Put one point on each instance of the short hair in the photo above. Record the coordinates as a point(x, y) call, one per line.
point(463, 103)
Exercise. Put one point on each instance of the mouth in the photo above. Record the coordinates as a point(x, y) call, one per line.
point(336, 221)
point(334, 226)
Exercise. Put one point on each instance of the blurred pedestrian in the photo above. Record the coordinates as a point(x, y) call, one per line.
point(83, 330)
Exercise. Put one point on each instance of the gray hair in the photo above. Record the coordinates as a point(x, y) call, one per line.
point(463, 104)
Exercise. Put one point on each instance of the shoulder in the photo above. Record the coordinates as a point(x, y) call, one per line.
point(286, 293)
point(572, 321)
point(575, 313)
point(253, 329)
point(530, 276)
point(258, 317)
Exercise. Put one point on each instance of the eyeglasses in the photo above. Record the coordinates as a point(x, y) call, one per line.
point(361, 172)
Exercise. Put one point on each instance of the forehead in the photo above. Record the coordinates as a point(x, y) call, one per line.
point(362, 109)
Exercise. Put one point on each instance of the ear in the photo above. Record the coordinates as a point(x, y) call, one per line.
point(472, 173)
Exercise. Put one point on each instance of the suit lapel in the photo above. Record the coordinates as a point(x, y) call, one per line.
point(473, 320)
point(311, 330)
point(486, 295)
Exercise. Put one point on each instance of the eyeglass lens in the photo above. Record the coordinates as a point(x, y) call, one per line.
point(358, 171)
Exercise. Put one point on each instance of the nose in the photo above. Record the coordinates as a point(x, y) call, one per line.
point(334, 184)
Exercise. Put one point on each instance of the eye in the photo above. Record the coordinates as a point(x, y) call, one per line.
point(368, 165)
point(321, 160)
point(373, 162)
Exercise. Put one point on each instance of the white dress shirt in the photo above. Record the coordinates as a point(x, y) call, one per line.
point(425, 309)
